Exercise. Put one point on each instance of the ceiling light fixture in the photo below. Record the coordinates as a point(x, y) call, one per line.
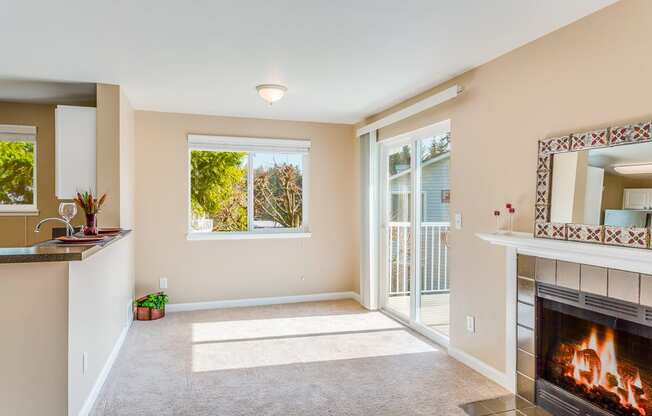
point(271, 92)
point(634, 169)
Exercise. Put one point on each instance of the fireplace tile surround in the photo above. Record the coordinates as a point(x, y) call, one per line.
point(571, 278)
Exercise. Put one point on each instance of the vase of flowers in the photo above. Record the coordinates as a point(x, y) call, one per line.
point(91, 206)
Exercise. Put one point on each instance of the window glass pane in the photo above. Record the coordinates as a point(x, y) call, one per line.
point(399, 183)
point(278, 190)
point(218, 189)
point(16, 173)
point(435, 178)
point(399, 161)
point(435, 146)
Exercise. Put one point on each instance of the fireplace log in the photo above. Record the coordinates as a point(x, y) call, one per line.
point(565, 354)
point(612, 381)
point(592, 359)
point(586, 376)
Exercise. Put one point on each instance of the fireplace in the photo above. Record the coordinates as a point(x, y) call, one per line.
point(594, 354)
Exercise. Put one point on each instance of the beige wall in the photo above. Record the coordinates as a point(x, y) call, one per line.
point(593, 73)
point(108, 153)
point(127, 163)
point(34, 346)
point(115, 156)
point(18, 230)
point(612, 197)
point(234, 269)
point(100, 303)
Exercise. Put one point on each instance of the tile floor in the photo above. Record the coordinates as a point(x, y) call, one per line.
point(508, 405)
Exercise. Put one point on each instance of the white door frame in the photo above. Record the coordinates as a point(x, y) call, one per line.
point(384, 203)
point(413, 139)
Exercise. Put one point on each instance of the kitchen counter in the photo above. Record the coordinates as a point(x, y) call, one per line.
point(50, 251)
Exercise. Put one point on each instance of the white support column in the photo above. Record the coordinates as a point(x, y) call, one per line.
point(369, 255)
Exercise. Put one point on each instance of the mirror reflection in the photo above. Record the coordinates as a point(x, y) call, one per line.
point(606, 186)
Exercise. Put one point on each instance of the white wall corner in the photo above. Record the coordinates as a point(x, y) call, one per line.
point(483, 368)
point(356, 297)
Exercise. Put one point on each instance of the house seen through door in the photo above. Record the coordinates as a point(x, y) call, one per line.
point(415, 282)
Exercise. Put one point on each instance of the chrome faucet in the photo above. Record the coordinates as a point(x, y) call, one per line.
point(69, 228)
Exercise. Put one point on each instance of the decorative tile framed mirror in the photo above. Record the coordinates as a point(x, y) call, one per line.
point(596, 186)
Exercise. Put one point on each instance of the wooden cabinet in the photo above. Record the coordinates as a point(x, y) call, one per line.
point(75, 160)
point(637, 198)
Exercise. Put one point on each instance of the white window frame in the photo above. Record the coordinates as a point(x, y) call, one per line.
point(252, 145)
point(424, 206)
point(18, 133)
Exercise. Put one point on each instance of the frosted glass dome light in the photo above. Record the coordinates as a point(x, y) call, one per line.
point(271, 92)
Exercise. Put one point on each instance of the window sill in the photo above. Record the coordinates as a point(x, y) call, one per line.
point(18, 213)
point(245, 236)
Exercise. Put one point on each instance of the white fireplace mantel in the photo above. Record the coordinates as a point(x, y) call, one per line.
point(623, 258)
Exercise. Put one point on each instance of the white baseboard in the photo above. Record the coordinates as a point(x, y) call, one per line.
point(356, 297)
point(481, 367)
point(236, 303)
point(101, 378)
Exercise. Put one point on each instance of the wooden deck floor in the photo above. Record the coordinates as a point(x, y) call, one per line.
point(435, 310)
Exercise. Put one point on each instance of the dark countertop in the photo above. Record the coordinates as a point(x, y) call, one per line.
point(49, 251)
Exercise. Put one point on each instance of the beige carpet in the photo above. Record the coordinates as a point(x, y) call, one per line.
point(319, 358)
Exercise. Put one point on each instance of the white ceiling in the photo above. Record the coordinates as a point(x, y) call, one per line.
point(608, 157)
point(341, 59)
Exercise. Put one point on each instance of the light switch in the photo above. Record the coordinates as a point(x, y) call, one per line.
point(458, 221)
point(470, 324)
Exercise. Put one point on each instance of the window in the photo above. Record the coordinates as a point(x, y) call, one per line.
point(401, 206)
point(241, 187)
point(17, 169)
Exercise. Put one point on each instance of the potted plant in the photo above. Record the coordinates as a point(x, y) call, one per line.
point(91, 206)
point(151, 307)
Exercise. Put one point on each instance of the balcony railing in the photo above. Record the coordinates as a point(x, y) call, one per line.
point(434, 258)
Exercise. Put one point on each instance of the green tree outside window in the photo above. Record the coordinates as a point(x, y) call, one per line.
point(16, 173)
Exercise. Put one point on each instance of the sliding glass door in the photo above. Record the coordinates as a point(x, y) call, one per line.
point(415, 197)
point(398, 228)
point(434, 186)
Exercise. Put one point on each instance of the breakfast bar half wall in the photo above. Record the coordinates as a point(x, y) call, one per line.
point(64, 313)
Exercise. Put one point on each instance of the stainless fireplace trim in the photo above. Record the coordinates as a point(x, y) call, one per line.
point(633, 312)
point(562, 403)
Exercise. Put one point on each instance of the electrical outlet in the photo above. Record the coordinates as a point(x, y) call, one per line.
point(163, 283)
point(84, 362)
point(470, 324)
point(458, 221)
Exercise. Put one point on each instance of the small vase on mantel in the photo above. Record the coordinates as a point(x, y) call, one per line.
point(505, 226)
point(511, 211)
point(499, 227)
point(91, 206)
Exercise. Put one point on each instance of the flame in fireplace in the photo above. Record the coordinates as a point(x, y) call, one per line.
point(594, 365)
